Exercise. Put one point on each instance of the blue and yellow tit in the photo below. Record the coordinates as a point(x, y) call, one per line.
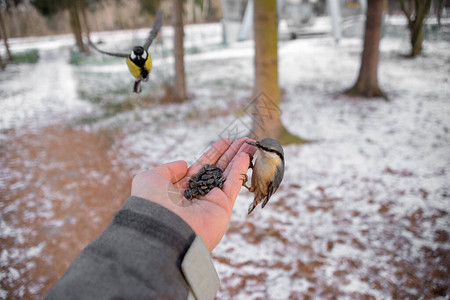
point(139, 60)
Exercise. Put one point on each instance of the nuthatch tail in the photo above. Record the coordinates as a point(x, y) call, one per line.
point(268, 171)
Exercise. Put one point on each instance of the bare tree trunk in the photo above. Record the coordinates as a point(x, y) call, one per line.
point(266, 100)
point(416, 40)
point(76, 24)
point(179, 88)
point(4, 35)
point(439, 9)
point(194, 12)
point(415, 18)
point(205, 10)
point(422, 10)
point(367, 83)
point(86, 26)
point(2, 66)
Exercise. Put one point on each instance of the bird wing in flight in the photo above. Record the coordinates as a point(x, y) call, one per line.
point(148, 42)
point(155, 29)
point(106, 52)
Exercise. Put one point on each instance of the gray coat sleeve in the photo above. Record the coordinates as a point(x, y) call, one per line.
point(138, 256)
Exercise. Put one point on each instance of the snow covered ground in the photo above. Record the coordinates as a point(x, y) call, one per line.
point(363, 210)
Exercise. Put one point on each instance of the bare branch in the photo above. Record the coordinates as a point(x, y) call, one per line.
point(406, 12)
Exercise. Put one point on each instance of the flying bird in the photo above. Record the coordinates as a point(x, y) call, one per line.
point(139, 60)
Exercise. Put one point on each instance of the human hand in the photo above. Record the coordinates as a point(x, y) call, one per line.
point(209, 215)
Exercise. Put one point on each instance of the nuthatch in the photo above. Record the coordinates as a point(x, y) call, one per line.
point(268, 171)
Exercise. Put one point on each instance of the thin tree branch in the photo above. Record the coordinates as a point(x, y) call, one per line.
point(406, 12)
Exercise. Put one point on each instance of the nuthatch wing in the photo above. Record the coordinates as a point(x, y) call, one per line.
point(268, 171)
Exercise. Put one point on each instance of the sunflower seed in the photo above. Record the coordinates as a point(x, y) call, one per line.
point(209, 177)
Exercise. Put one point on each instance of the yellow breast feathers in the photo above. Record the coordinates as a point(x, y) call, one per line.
point(137, 71)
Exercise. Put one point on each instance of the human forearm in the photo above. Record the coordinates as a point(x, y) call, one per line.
point(138, 256)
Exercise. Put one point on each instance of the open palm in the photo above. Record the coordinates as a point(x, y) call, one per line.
point(208, 215)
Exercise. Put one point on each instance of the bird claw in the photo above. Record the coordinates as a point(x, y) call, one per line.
point(244, 181)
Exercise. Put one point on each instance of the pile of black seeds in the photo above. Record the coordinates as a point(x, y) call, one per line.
point(205, 180)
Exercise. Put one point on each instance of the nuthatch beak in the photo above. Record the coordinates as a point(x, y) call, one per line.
point(268, 171)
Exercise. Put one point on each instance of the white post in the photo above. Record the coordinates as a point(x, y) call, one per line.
point(363, 4)
point(335, 13)
point(224, 27)
point(246, 22)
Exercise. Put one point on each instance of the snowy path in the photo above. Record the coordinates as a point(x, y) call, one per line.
point(40, 94)
point(55, 180)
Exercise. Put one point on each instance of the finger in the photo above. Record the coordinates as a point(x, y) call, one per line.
point(226, 158)
point(210, 157)
point(173, 171)
point(248, 149)
point(233, 183)
point(245, 148)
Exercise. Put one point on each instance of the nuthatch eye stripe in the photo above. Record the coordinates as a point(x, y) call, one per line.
point(259, 146)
